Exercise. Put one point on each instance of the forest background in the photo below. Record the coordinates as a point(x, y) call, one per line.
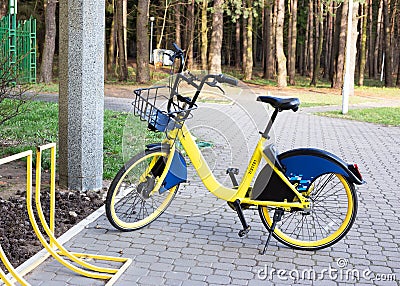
point(282, 39)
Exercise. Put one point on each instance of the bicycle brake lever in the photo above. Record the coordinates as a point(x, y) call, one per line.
point(215, 83)
point(192, 76)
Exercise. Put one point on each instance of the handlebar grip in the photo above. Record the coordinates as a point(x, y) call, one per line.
point(226, 79)
point(179, 54)
point(177, 49)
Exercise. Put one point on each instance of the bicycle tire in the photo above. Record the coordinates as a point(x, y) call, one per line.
point(315, 229)
point(132, 202)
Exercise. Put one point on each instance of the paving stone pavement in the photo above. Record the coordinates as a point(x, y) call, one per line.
point(196, 243)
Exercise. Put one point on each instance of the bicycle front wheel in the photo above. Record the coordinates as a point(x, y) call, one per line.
point(134, 198)
point(332, 213)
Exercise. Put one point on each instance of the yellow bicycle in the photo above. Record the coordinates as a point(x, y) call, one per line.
point(305, 197)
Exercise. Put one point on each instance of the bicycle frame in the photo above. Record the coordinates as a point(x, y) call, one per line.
point(230, 194)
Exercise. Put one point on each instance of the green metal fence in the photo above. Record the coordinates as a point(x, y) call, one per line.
point(18, 47)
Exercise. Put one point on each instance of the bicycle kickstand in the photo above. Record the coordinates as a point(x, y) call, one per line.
point(277, 217)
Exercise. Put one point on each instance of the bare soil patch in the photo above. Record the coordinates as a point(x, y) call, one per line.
point(17, 236)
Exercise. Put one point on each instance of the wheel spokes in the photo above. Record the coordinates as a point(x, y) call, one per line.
point(327, 214)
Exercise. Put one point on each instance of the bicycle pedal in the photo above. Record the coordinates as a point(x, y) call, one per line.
point(233, 170)
point(244, 232)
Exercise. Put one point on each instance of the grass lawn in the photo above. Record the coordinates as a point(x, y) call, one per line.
point(320, 95)
point(155, 77)
point(39, 125)
point(308, 99)
point(380, 115)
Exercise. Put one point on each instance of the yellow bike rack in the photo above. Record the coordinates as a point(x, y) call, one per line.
point(53, 247)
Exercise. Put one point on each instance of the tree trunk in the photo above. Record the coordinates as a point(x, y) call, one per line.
point(263, 37)
point(274, 12)
point(280, 54)
point(204, 39)
point(398, 71)
point(378, 40)
point(339, 68)
point(393, 12)
point(268, 40)
point(387, 44)
point(125, 23)
point(293, 36)
point(300, 59)
point(177, 9)
point(244, 38)
point(371, 42)
point(363, 44)
point(122, 60)
point(311, 39)
point(214, 59)
point(190, 34)
point(229, 48)
point(398, 75)
point(248, 72)
point(254, 30)
point(238, 57)
point(3, 8)
point(320, 41)
point(398, 42)
point(163, 24)
point(289, 33)
point(335, 42)
point(111, 47)
point(168, 34)
point(46, 68)
point(306, 62)
point(142, 36)
point(329, 41)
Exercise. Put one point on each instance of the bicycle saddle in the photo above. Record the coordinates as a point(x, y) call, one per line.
point(281, 103)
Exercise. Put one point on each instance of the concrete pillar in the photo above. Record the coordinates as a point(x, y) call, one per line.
point(81, 101)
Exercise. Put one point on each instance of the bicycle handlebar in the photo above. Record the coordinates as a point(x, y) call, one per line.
point(220, 78)
point(190, 79)
point(226, 79)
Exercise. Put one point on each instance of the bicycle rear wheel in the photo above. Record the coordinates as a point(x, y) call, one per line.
point(134, 200)
point(331, 215)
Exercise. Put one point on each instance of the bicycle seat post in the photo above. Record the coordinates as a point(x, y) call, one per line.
point(270, 122)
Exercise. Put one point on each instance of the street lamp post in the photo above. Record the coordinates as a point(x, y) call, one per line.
point(151, 38)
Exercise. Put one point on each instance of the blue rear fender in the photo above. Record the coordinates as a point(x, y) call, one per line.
point(305, 164)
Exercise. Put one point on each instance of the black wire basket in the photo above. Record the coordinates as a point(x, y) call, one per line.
point(151, 105)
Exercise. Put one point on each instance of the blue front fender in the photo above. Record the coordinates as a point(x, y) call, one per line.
point(177, 172)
